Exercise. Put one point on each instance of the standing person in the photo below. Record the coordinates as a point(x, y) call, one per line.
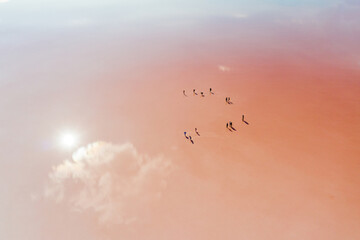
point(230, 124)
point(210, 90)
point(243, 118)
point(184, 93)
point(227, 125)
point(185, 135)
point(196, 131)
point(226, 99)
point(194, 91)
point(202, 94)
point(229, 100)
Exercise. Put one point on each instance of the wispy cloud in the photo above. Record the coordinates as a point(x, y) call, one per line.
point(114, 181)
point(3, 1)
point(223, 68)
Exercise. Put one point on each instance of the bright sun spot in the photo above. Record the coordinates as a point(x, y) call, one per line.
point(68, 140)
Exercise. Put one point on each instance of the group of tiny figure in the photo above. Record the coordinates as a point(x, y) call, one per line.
point(229, 125)
point(227, 100)
point(189, 137)
point(201, 93)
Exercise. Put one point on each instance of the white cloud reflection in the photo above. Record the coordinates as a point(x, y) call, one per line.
point(114, 181)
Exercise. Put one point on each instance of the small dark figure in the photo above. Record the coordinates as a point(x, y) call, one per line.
point(230, 124)
point(191, 140)
point(227, 125)
point(184, 93)
point(185, 135)
point(196, 131)
point(202, 94)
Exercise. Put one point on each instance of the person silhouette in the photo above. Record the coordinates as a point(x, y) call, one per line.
point(202, 94)
point(226, 99)
point(230, 124)
point(196, 131)
point(243, 118)
point(184, 93)
point(185, 135)
point(227, 125)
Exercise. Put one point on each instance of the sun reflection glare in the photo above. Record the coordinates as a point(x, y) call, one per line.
point(68, 140)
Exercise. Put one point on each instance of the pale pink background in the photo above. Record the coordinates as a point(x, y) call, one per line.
point(294, 71)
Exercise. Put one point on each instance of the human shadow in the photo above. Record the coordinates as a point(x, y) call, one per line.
point(191, 141)
point(233, 128)
point(243, 119)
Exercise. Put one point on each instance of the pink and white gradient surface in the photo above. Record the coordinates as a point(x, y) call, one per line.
point(115, 72)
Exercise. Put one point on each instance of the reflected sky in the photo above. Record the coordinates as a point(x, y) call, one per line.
point(112, 72)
